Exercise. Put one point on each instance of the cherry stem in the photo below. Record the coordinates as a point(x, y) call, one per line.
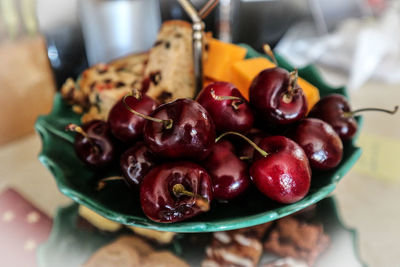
point(267, 50)
point(201, 202)
point(256, 147)
point(166, 123)
point(102, 183)
point(179, 190)
point(351, 113)
point(293, 77)
point(235, 104)
point(244, 158)
point(78, 129)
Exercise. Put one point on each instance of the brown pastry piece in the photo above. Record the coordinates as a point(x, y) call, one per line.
point(133, 63)
point(239, 248)
point(72, 95)
point(123, 73)
point(102, 85)
point(160, 237)
point(292, 237)
point(257, 231)
point(169, 72)
point(125, 251)
point(131, 251)
point(105, 224)
point(93, 113)
point(102, 102)
point(137, 243)
point(97, 220)
point(286, 262)
point(163, 259)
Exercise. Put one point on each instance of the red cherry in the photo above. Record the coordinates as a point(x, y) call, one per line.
point(277, 97)
point(281, 170)
point(229, 174)
point(125, 125)
point(176, 191)
point(332, 109)
point(186, 130)
point(284, 175)
point(94, 144)
point(135, 163)
point(227, 107)
point(336, 111)
point(320, 142)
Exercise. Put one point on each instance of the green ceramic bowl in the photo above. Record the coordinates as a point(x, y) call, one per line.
point(117, 203)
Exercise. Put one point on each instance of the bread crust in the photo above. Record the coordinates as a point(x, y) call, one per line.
point(170, 69)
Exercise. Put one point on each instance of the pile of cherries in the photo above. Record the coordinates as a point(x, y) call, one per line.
point(174, 161)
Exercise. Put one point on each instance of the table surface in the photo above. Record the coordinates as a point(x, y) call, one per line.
point(368, 197)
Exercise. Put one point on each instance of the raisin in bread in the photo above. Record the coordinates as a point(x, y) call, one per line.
point(169, 73)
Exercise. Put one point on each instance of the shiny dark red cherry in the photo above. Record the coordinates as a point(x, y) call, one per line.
point(184, 130)
point(136, 162)
point(227, 107)
point(229, 174)
point(277, 97)
point(284, 174)
point(94, 143)
point(336, 111)
point(322, 145)
point(176, 191)
point(125, 125)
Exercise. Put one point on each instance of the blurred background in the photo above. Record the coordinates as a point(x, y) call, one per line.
point(73, 34)
point(82, 32)
point(352, 42)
